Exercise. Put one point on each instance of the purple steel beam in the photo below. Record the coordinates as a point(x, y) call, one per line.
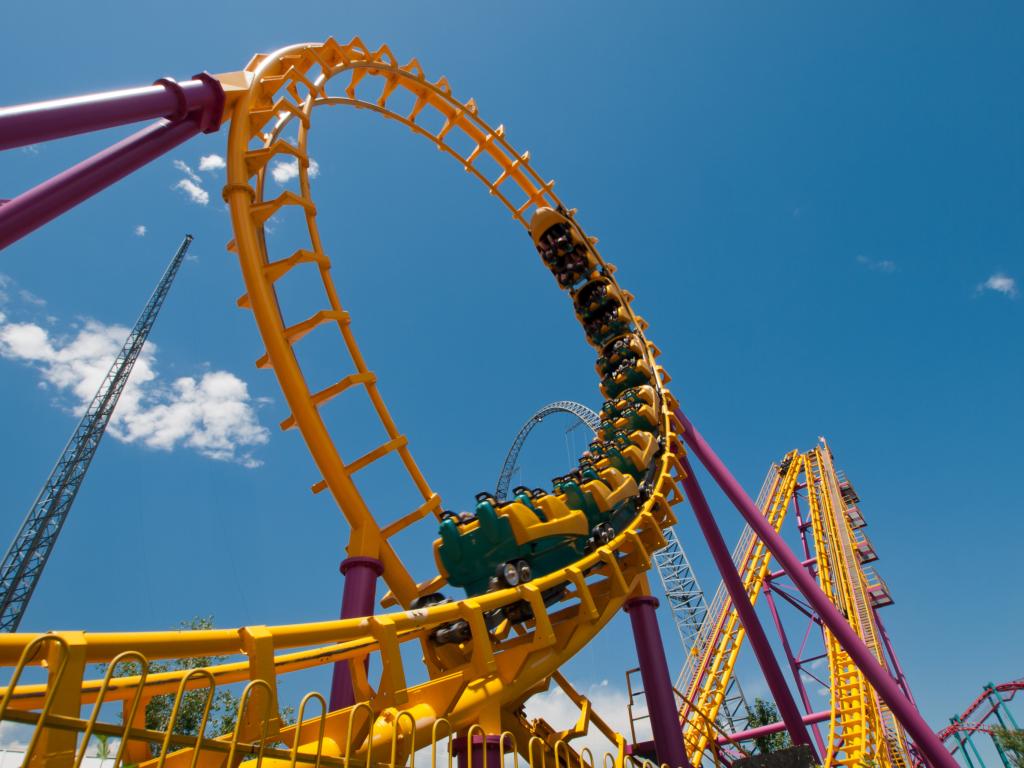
point(802, 528)
point(794, 668)
point(808, 562)
point(661, 701)
point(30, 210)
point(808, 719)
point(800, 606)
point(46, 120)
point(741, 601)
point(356, 602)
point(904, 710)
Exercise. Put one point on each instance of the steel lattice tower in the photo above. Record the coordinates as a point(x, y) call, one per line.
point(689, 613)
point(24, 562)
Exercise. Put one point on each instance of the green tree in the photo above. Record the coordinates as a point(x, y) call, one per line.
point(1011, 740)
point(223, 708)
point(102, 746)
point(765, 713)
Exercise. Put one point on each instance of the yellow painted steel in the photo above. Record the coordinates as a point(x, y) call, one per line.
point(862, 727)
point(480, 684)
point(861, 730)
point(707, 687)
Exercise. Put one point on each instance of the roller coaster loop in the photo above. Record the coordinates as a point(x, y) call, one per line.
point(481, 656)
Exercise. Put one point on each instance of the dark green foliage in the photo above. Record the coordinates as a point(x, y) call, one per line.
point(1012, 741)
point(765, 713)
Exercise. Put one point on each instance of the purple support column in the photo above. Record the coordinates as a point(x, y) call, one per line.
point(793, 666)
point(356, 601)
point(741, 601)
point(801, 528)
point(904, 710)
point(46, 120)
point(485, 752)
point(661, 702)
point(30, 210)
point(752, 733)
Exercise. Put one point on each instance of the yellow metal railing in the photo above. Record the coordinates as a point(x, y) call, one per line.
point(711, 677)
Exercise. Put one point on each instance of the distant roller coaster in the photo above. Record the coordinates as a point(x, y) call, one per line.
point(585, 416)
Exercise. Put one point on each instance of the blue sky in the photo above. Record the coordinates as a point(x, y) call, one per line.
point(819, 211)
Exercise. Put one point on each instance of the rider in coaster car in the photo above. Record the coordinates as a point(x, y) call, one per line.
point(607, 326)
point(587, 471)
point(595, 297)
point(627, 347)
point(590, 296)
point(574, 267)
point(525, 496)
point(576, 497)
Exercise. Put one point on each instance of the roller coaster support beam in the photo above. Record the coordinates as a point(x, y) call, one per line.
point(794, 665)
point(196, 108)
point(56, 119)
point(484, 753)
point(744, 608)
point(811, 718)
point(968, 737)
point(661, 702)
point(1002, 724)
point(994, 691)
point(356, 602)
point(927, 742)
point(963, 747)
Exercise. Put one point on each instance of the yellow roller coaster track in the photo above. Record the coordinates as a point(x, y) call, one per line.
point(480, 683)
point(858, 717)
point(861, 729)
point(711, 676)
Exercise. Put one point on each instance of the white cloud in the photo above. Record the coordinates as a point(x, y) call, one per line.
point(30, 149)
point(30, 298)
point(609, 701)
point(212, 414)
point(14, 736)
point(191, 186)
point(877, 265)
point(182, 166)
point(211, 163)
point(196, 193)
point(140, 231)
point(1000, 283)
point(286, 170)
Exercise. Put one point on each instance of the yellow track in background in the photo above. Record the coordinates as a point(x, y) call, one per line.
point(862, 730)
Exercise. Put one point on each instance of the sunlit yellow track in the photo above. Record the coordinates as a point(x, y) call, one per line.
point(710, 677)
point(861, 729)
point(481, 683)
